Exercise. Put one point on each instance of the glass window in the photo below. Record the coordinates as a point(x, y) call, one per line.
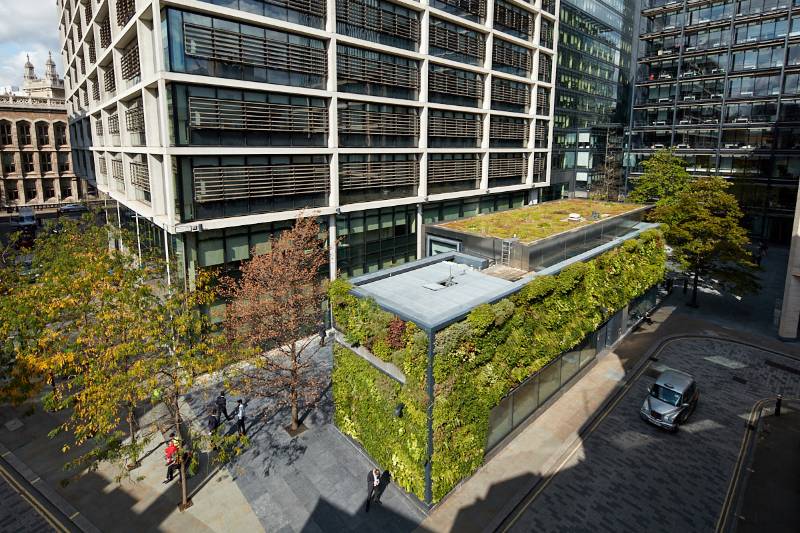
point(499, 422)
point(526, 400)
point(549, 380)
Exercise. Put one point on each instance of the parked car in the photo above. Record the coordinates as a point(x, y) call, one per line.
point(670, 400)
point(72, 210)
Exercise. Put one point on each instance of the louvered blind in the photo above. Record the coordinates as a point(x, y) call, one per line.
point(214, 113)
point(254, 181)
point(448, 81)
point(371, 67)
point(355, 175)
point(367, 122)
point(448, 170)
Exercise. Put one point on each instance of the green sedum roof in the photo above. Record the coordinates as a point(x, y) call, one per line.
point(535, 222)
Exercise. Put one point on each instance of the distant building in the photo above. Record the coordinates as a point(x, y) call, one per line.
point(34, 143)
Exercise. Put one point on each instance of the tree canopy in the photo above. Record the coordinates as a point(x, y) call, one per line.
point(664, 176)
point(704, 228)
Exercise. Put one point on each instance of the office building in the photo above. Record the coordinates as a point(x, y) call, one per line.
point(593, 85)
point(213, 124)
point(34, 144)
point(720, 82)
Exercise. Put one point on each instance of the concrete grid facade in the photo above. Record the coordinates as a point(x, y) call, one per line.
point(219, 124)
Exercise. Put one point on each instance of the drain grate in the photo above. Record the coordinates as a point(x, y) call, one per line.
point(781, 366)
point(737, 379)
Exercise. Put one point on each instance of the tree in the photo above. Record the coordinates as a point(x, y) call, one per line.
point(607, 185)
point(273, 308)
point(664, 176)
point(704, 228)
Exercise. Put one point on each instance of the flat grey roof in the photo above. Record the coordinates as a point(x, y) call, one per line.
point(415, 291)
point(431, 293)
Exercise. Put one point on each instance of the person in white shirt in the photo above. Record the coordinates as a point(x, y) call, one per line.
point(373, 482)
point(240, 417)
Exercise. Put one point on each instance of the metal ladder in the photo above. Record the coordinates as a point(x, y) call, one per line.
point(505, 253)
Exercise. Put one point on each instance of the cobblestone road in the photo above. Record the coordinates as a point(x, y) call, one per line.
point(16, 514)
point(630, 476)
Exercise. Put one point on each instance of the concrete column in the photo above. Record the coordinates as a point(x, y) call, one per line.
point(790, 310)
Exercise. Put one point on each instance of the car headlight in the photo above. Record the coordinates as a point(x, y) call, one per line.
point(670, 417)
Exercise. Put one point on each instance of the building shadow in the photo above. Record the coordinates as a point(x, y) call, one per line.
point(329, 518)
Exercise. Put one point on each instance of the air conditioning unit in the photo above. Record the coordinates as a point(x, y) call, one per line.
point(685, 122)
point(716, 95)
point(665, 76)
point(703, 21)
point(660, 123)
point(660, 53)
point(710, 121)
point(718, 71)
point(683, 147)
point(690, 49)
point(742, 120)
point(746, 93)
point(670, 27)
point(731, 146)
point(689, 98)
point(687, 74)
point(747, 147)
point(751, 39)
point(749, 67)
point(662, 100)
point(657, 146)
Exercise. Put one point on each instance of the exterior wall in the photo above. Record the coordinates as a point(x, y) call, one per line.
point(350, 149)
point(720, 84)
point(37, 184)
point(790, 311)
point(593, 81)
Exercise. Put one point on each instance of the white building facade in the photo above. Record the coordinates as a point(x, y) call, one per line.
point(214, 124)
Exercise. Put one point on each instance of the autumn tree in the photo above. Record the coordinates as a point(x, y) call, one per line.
point(274, 307)
point(704, 228)
point(664, 176)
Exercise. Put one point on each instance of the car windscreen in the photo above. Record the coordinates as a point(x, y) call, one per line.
point(665, 395)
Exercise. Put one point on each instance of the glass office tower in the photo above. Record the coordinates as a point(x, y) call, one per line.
point(720, 82)
point(217, 122)
point(592, 90)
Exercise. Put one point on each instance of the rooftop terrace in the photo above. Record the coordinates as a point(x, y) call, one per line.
point(540, 221)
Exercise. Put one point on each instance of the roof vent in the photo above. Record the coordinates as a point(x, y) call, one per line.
point(574, 217)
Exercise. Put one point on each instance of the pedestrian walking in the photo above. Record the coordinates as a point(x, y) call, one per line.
point(322, 333)
point(212, 422)
point(373, 482)
point(222, 405)
point(240, 417)
point(171, 454)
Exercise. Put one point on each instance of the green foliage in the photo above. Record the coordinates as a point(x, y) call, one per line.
point(704, 229)
point(477, 361)
point(664, 176)
point(365, 400)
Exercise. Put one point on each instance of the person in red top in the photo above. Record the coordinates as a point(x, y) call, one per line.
point(171, 456)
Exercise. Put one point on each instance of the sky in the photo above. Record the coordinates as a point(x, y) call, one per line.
point(27, 27)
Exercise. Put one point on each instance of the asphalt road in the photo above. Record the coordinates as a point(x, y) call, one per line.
point(630, 476)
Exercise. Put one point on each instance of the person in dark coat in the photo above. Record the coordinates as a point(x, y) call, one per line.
point(212, 422)
point(240, 417)
point(373, 482)
point(386, 477)
point(222, 405)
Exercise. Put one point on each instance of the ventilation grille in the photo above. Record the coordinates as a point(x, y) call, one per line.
point(236, 183)
point(476, 7)
point(514, 19)
point(105, 33)
point(213, 113)
point(134, 118)
point(113, 124)
point(125, 11)
point(109, 82)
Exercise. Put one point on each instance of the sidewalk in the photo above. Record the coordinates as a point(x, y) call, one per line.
point(485, 499)
point(772, 491)
point(142, 503)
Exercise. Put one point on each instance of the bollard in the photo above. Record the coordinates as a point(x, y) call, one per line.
point(778, 402)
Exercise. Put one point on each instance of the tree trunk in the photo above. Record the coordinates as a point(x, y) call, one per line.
point(177, 421)
point(693, 303)
point(293, 394)
point(132, 427)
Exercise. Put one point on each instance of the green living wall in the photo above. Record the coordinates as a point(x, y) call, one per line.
point(365, 398)
point(476, 361)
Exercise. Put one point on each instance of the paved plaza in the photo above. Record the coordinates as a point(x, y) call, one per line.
point(631, 476)
point(16, 514)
